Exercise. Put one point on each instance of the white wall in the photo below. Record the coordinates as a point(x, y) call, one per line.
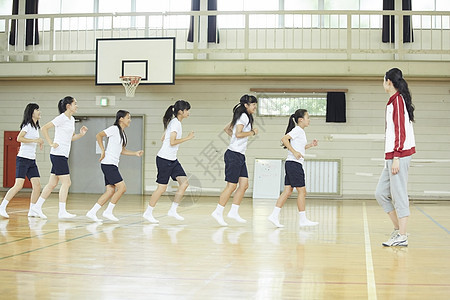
point(212, 102)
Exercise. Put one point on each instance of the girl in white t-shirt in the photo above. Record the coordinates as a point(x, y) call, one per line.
point(236, 175)
point(115, 186)
point(64, 125)
point(296, 143)
point(167, 162)
point(26, 158)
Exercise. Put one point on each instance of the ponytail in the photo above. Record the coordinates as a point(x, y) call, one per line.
point(172, 111)
point(240, 109)
point(293, 120)
point(62, 104)
point(396, 77)
point(123, 137)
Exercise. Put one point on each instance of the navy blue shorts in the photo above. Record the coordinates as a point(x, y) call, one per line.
point(168, 168)
point(235, 166)
point(60, 165)
point(111, 173)
point(295, 176)
point(26, 167)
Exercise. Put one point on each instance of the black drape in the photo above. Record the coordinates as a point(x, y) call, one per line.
point(213, 35)
point(336, 107)
point(31, 29)
point(388, 33)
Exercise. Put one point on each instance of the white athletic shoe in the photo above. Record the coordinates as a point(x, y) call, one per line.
point(397, 240)
point(219, 218)
point(237, 217)
point(93, 217)
point(65, 215)
point(38, 211)
point(275, 221)
point(3, 213)
point(150, 218)
point(172, 213)
point(110, 216)
point(32, 214)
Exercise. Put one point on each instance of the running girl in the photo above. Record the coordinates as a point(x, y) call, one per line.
point(115, 186)
point(59, 155)
point(296, 143)
point(167, 162)
point(26, 158)
point(239, 129)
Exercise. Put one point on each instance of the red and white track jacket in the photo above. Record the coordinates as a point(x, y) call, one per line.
point(399, 139)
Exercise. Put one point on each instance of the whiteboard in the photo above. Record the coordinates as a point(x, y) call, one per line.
point(266, 181)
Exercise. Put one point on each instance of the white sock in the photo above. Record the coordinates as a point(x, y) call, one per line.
point(110, 208)
point(149, 210)
point(62, 206)
point(174, 206)
point(276, 211)
point(302, 215)
point(219, 209)
point(95, 208)
point(234, 209)
point(4, 203)
point(40, 202)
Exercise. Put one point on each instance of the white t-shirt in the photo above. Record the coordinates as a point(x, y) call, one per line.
point(114, 148)
point(170, 152)
point(28, 150)
point(64, 129)
point(298, 142)
point(240, 144)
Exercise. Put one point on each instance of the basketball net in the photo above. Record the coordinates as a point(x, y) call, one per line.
point(130, 84)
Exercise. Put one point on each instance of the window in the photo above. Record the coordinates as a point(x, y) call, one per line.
point(285, 104)
point(5, 9)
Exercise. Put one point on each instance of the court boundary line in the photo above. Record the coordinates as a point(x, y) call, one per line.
point(433, 220)
point(370, 274)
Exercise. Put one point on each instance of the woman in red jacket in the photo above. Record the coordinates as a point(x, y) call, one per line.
point(392, 192)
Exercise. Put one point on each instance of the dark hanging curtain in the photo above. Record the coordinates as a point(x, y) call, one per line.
point(388, 33)
point(336, 107)
point(213, 35)
point(31, 28)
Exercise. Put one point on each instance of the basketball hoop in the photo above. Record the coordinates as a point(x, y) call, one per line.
point(130, 84)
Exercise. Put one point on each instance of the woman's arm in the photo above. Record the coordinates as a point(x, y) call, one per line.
point(78, 136)
point(132, 153)
point(228, 129)
point(314, 143)
point(286, 142)
point(99, 138)
point(44, 130)
point(240, 134)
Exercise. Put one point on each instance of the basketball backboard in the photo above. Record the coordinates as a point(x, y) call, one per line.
point(153, 59)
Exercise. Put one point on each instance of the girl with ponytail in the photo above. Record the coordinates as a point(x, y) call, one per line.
point(167, 162)
point(236, 175)
point(391, 192)
point(115, 186)
point(64, 125)
point(26, 158)
point(296, 143)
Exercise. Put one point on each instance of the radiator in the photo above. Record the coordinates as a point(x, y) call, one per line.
point(322, 176)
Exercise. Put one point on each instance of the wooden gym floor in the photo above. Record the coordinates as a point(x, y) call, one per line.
point(341, 258)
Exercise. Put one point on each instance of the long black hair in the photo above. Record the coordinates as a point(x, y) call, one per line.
point(240, 109)
point(396, 77)
point(172, 111)
point(28, 116)
point(62, 104)
point(123, 136)
point(293, 120)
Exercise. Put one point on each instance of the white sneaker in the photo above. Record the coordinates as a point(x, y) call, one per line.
point(65, 215)
point(307, 222)
point(397, 240)
point(275, 221)
point(110, 216)
point(3, 213)
point(93, 217)
point(237, 217)
point(38, 211)
point(150, 218)
point(172, 213)
point(219, 218)
point(32, 214)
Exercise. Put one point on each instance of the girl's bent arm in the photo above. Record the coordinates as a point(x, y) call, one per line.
point(174, 141)
point(132, 153)
point(99, 138)
point(286, 142)
point(22, 139)
point(44, 130)
point(240, 134)
point(78, 136)
point(228, 130)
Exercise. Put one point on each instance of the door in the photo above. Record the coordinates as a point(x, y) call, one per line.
point(85, 172)
point(10, 149)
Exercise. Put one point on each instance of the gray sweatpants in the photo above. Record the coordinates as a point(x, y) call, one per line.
point(392, 190)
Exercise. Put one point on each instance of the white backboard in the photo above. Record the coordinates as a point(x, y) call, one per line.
point(151, 58)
